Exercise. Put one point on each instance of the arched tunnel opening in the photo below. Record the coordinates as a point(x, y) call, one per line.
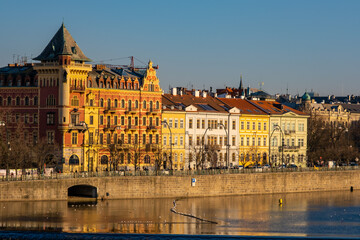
point(83, 191)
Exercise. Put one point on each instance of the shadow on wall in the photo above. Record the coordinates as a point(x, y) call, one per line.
point(84, 191)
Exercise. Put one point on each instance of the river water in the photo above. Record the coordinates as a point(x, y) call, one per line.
point(301, 214)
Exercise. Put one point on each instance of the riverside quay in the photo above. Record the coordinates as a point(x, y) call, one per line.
point(63, 114)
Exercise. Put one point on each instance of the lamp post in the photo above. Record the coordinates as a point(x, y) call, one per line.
point(84, 124)
point(277, 127)
point(171, 142)
point(202, 148)
point(227, 143)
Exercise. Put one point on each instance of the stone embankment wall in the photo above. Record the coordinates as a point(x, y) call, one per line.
point(180, 186)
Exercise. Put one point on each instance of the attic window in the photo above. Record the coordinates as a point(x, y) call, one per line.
point(73, 49)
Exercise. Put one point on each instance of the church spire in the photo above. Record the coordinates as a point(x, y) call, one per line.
point(241, 83)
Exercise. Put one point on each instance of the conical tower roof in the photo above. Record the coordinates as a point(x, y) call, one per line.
point(62, 44)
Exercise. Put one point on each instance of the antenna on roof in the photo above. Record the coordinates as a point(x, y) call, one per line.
point(287, 88)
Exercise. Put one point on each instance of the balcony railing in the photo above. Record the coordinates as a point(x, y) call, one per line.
point(77, 88)
point(130, 111)
point(151, 128)
point(77, 126)
point(110, 110)
point(130, 128)
point(152, 111)
point(288, 132)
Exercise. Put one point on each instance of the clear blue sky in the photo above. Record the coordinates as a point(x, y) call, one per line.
point(300, 44)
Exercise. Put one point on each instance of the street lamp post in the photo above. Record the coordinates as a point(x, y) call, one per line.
point(84, 124)
point(202, 148)
point(171, 142)
point(277, 127)
point(227, 143)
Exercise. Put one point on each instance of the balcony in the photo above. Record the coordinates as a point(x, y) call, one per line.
point(131, 128)
point(290, 148)
point(130, 111)
point(79, 89)
point(289, 132)
point(109, 127)
point(151, 128)
point(77, 126)
point(152, 112)
point(110, 110)
point(151, 147)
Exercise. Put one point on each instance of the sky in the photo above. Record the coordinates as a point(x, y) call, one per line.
point(299, 45)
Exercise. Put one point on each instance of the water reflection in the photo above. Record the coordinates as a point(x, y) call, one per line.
point(327, 213)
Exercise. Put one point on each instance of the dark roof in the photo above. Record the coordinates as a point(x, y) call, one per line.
point(62, 44)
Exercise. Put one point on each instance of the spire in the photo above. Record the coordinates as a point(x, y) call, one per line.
point(62, 44)
point(241, 83)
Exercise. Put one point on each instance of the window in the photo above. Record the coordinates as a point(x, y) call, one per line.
point(220, 141)
point(253, 126)
point(101, 102)
point(136, 121)
point(101, 138)
point(144, 138)
point(101, 120)
point(242, 125)
point(108, 138)
point(109, 103)
point(50, 118)
point(190, 123)
point(136, 104)
point(17, 101)
point(74, 118)
point(122, 103)
point(198, 140)
point(170, 123)
point(115, 103)
point(36, 118)
point(144, 121)
point(50, 101)
point(50, 137)
point(147, 159)
point(225, 141)
point(35, 138)
point(176, 141)
point(136, 137)
point(247, 125)
point(198, 123)
point(129, 105)
point(233, 157)
point(91, 137)
point(259, 126)
point(144, 104)
point(300, 142)
point(265, 141)
point(150, 121)
point(36, 101)
point(104, 159)
point(226, 124)
point(150, 138)
point(242, 141)
point(176, 123)
point(91, 103)
point(122, 120)
point(115, 120)
point(74, 138)
point(247, 141)
point(203, 124)
point(264, 126)
point(157, 105)
point(129, 138)
point(190, 140)
point(293, 126)
point(301, 127)
point(164, 140)
point(233, 125)
point(122, 138)
point(259, 141)
point(157, 138)
point(233, 141)
point(26, 118)
point(75, 101)
point(74, 160)
point(181, 140)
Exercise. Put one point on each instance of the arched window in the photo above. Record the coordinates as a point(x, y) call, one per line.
point(17, 101)
point(116, 103)
point(136, 104)
point(26, 101)
point(122, 85)
point(109, 103)
point(144, 104)
point(129, 105)
point(36, 102)
point(74, 160)
point(104, 159)
point(157, 105)
point(9, 101)
point(122, 103)
point(1, 101)
point(101, 102)
point(151, 105)
point(91, 102)
point(181, 157)
point(147, 159)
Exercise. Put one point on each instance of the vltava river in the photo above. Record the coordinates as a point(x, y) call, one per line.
point(301, 214)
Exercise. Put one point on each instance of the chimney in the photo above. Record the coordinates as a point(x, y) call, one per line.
point(197, 93)
point(204, 94)
point(174, 91)
point(215, 95)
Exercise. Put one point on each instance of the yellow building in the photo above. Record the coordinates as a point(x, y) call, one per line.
point(253, 132)
point(173, 118)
